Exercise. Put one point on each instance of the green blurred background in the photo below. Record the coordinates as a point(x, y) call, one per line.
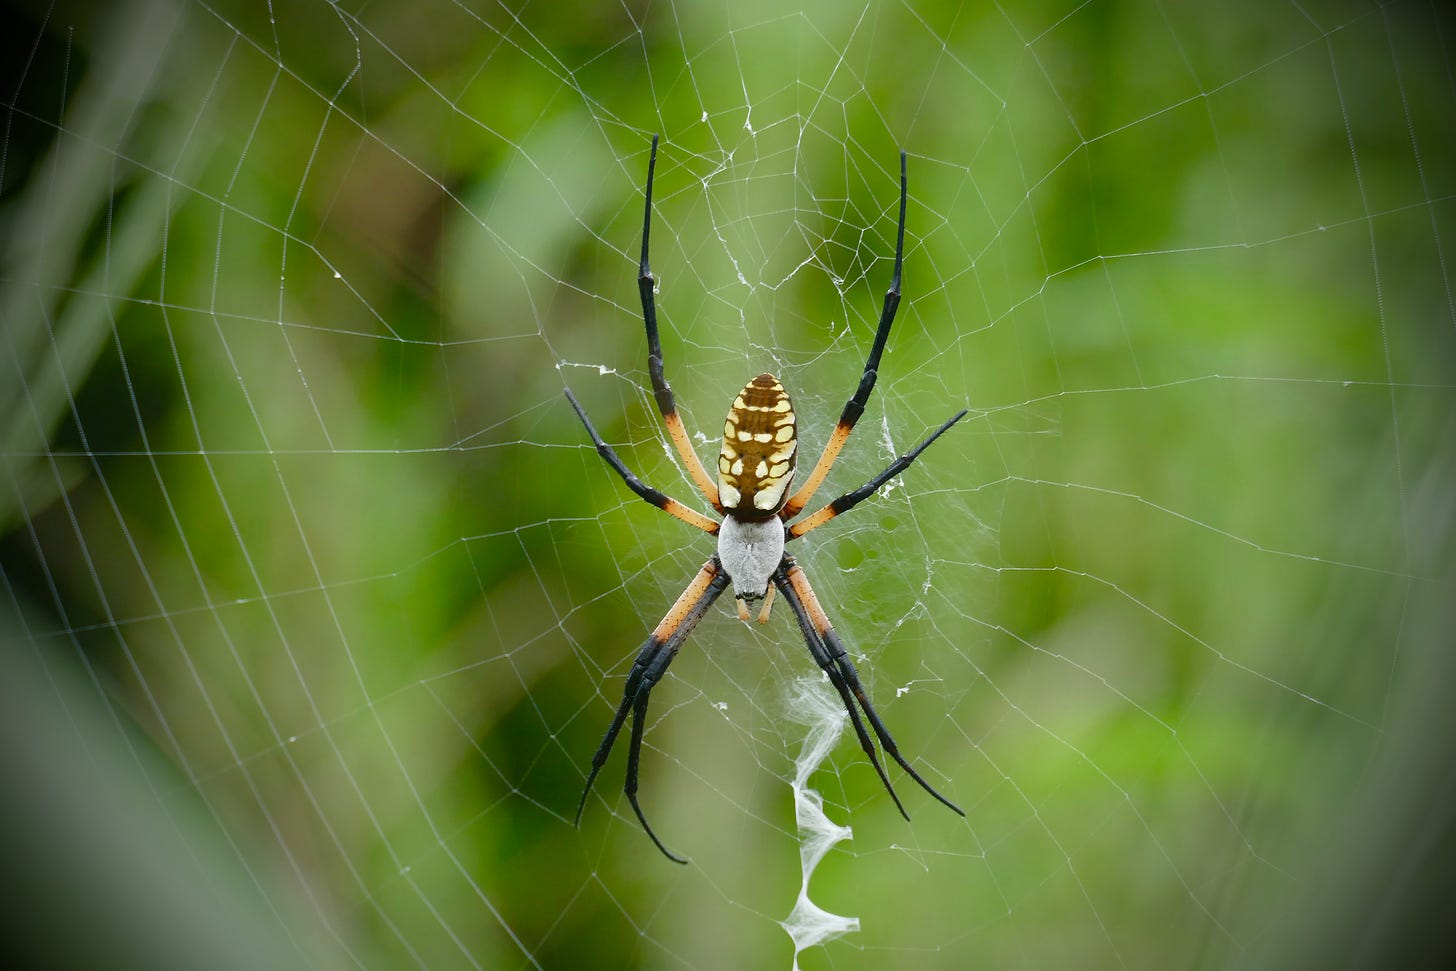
point(317, 601)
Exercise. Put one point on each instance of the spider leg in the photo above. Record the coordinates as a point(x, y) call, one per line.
point(661, 500)
point(854, 407)
point(660, 389)
point(651, 664)
point(822, 658)
point(799, 584)
point(849, 500)
point(634, 755)
point(768, 599)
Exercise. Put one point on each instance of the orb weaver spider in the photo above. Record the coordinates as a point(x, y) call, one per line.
point(755, 467)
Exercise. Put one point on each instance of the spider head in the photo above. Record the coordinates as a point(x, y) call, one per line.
point(750, 551)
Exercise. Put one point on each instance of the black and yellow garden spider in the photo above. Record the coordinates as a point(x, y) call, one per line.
point(755, 467)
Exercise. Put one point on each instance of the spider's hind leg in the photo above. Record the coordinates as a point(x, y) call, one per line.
point(661, 391)
point(854, 407)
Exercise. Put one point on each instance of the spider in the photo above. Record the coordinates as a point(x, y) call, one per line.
point(755, 468)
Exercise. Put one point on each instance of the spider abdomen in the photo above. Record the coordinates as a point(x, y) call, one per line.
point(760, 446)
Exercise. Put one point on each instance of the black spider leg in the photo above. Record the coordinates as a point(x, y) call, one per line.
point(855, 406)
point(651, 664)
point(659, 499)
point(661, 391)
point(634, 752)
point(645, 284)
point(822, 658)
point(799, 584)
point(849, 500)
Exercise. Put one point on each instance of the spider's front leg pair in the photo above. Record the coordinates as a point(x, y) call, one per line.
point(755, 469)
point(647, 670)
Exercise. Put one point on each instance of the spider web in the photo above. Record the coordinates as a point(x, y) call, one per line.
point(318, 600)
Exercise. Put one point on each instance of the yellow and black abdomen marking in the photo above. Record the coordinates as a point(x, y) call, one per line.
point(760, 446)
